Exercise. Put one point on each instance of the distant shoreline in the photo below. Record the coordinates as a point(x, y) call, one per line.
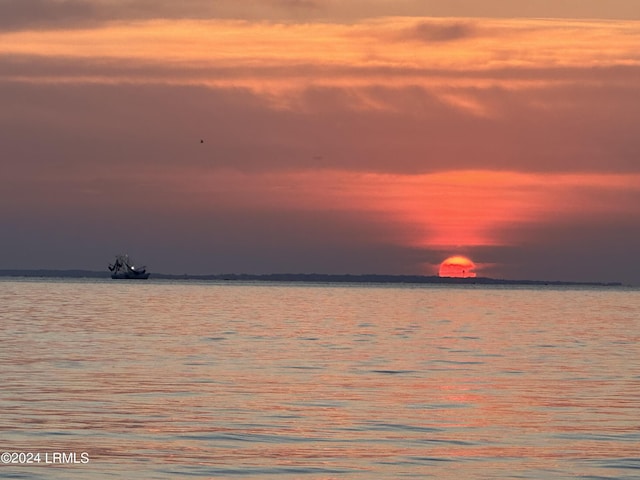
point(312, 277)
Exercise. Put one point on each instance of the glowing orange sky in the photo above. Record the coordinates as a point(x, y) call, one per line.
point(453, 131)
point(444, 210)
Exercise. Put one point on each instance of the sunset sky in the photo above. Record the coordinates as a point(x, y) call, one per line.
point(377, 136)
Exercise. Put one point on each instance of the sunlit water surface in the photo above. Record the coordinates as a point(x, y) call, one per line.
point(164, 380)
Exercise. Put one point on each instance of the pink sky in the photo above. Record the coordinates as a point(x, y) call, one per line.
point(377, 137)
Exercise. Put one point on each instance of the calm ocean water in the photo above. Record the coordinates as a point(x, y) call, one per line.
point(165, 380)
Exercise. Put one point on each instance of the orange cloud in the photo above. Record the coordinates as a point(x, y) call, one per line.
point(397, 44)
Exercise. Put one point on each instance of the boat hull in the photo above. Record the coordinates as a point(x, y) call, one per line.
point(127, 276)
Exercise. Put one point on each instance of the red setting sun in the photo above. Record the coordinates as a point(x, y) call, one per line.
point(457, 266)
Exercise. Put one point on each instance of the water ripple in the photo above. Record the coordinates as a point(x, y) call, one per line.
point(212, 380)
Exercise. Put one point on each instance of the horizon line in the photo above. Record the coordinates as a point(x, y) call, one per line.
point(311, 277)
